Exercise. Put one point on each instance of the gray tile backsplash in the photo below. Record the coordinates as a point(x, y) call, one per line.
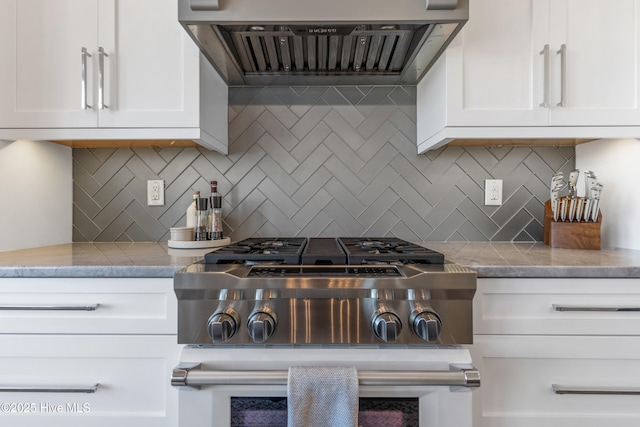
point(320, 161)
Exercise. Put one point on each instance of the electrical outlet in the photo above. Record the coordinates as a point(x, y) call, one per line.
point(155, 192)
point(493, 192)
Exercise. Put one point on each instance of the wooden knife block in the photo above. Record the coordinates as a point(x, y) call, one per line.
point(570, 235)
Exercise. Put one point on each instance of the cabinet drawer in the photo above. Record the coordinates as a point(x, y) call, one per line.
point(599, 374)
point(87, 306)
point(557, 307)
point(131, 374)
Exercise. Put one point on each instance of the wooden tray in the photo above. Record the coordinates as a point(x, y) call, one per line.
point(570, 235)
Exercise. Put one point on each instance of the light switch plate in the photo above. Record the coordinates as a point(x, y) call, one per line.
point(493, 192)
point(155, 192)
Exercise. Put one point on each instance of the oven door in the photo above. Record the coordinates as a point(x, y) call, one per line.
point(398, 387)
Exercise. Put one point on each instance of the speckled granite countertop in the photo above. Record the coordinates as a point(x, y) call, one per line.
point(157, 260)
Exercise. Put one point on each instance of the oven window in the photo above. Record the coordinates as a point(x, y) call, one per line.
point(374, 412)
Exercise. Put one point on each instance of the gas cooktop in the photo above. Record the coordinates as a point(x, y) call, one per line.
point(327, 291)
point(324, 251)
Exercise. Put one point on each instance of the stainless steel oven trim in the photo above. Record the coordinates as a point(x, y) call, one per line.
point(192, 375)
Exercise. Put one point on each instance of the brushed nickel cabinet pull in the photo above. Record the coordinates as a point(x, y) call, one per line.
point(558, 389)
point(48, 307)
point(83, 91)
point(545, 99)
point(49, 389)
point(101, 55)
point(558, 307)
point(563, 75)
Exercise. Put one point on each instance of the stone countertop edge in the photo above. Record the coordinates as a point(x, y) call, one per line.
point(98, 260)
point(156, 260)
point(558, 272)
point(94, 271)
point(537, 260)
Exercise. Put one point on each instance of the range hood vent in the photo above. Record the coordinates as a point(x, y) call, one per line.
point(287, 52)
point(338, 49)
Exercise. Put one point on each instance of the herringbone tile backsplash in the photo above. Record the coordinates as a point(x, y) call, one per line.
point(320, 161)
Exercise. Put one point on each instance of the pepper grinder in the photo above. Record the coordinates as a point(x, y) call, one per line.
point(202, 215)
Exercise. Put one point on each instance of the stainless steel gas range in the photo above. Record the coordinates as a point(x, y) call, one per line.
point(399, 312)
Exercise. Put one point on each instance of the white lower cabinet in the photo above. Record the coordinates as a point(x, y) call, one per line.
point(520, 373)
point(88, 306)
point(557, 352)
point(54, 374)
point(129, 376)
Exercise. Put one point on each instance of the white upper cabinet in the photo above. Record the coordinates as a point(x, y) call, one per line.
point(601, 62)
point(151, 73)
point(139, 78)
point(536, 69)
point(40, 78)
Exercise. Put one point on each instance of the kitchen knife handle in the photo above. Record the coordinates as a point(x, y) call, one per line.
point(101, 55)
point(545, 83)
point(558, 389)
point(587, 210)
point(83, 91)
point(563, 75)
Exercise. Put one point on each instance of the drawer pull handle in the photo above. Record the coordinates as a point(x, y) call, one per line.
point(558, 389)
point(91, 307)
point(49, 389)
point(586, 308)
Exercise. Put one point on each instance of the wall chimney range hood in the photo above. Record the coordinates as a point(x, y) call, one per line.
point(329, 42)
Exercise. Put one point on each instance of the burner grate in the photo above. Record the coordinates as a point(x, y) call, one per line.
point(324, 251)
point(257, 250)
point(387, 250)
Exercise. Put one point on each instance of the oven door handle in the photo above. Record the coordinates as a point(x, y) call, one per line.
point(192, 375)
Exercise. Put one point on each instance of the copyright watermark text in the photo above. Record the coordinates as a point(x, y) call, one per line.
point(44, 408)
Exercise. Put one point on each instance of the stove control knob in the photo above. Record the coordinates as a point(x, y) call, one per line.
point(386, 325)
point(223, 325)
point(261, 325)
point(426, 324)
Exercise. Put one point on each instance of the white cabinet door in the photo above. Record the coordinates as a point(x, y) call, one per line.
point(495, 69)
point(598, 374)
point(495, 80)
point(56, 376)
point(128, 306)
point(40, 73)
point(557, 352)
point(562, 306)
point(602, 40)
point(151, 73)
